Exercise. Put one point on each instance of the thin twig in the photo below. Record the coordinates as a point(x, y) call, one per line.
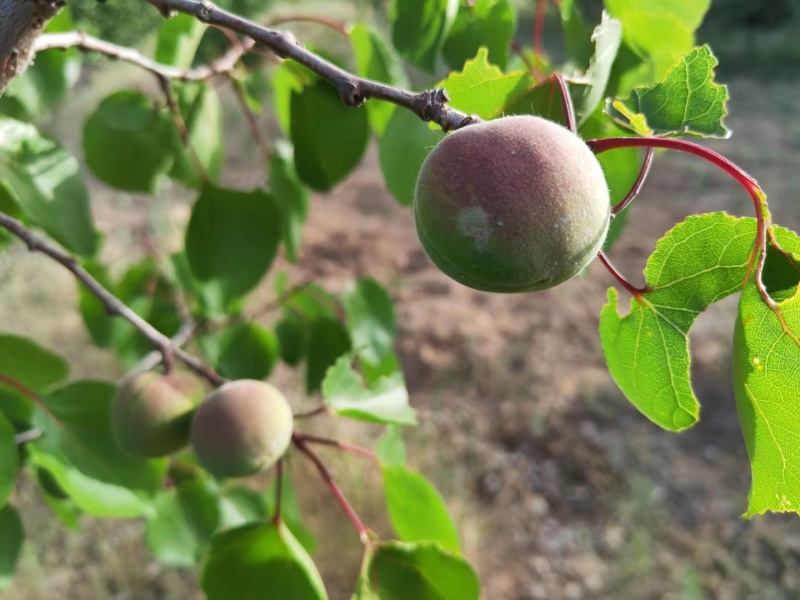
point(637, 185)
point(337, 26)
point(183, 130)
point(78, 39)
point(320, 410)
point(354, 91)
point(28, 436)
point(361, 529)
point(113, 305)
point(252, 121)
point(316, 439)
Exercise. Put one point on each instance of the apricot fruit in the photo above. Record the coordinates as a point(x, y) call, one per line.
point(243, 427)
point(151, 413)
point(513, 205)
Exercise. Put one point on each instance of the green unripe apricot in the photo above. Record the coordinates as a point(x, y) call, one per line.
point(513, 205)
point(151, 413)
point(242, 428)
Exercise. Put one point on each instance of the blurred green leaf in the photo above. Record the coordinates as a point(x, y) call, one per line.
point(487, 23)
point(128, 142)
point(405, 144)
point(329, 138)
point(371, 323)
point(290, 513)
point(185, 519)
point(30, 364)
point(202, 114)
point(91, 495)
point(10, 543)
point(232, 239)
point(417, 510)
point(178, 39)
point(422, 571)
point(9, 460)
point(260, 562)
point(576, 34)
point(376, 60)
point(45, 182)
point(386, 401)
point(292, 334)
point(291, 196)
point(390, 448)
point(76, 423)
point(247, 351)
point(420, 28)
point(98, 322)
point(686, 102)
point(327, 341)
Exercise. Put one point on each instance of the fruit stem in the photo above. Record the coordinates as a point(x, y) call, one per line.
point(637, 185)
point(361, 529)
point(566, 102)
point(28, 436)
point(278, 490)
point(747, 182)
point(28, 393)
point(632, 289)
point(320, 410)
point(315, 439)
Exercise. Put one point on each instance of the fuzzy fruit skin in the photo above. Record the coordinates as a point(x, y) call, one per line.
point(242, 428)
point(517, 204)
point(151, 413)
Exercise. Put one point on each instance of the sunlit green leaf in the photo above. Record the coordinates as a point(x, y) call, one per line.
point(420, 28)
point(178, 39)
point(488, 23)
point(606, 36)
point(202, 114)
point(390, 448)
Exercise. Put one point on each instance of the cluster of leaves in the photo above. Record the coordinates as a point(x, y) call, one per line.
point(131, 142)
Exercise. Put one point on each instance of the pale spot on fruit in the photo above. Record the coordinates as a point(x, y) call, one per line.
point(474, 222)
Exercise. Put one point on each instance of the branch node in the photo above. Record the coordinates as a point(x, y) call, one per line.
point(351, 94)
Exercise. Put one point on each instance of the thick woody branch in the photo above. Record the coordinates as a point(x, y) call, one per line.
point(354, 91)
point(78, 39)
point(21, 22)
point(113, 305)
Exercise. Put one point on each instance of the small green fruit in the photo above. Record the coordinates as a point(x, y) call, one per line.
point(151, 414)
point(242, 428)
point(513, 205)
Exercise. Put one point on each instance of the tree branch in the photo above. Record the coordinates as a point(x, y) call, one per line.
point(113, 305)
point(354, 91)
point(78, 39)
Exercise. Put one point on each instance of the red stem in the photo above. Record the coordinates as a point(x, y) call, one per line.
point(315, 439)
point(637, 186)
point(359, 526)
point(632, 289)
point(320, 410)
point(28, 393)
point(538, 26)
point(746, 181)
point(566, 102)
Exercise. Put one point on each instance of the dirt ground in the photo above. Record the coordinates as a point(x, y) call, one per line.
point(561, 489)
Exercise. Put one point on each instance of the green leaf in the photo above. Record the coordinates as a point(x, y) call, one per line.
point(371, 323)
point(128, 142)
point(232, 239)
point(765, 355)
point(291, 514)
point(240, 504)
point(364, 590)
point(202, 114)
point(423, 571)
point(607, 37)
point(94, 497)
point(247, 351)
point(291, 196)
point(675, 23)
point(52, 74)
point(576, 34)
point(420, 28)
point(686, 102)
point(77, 428)
point(544, 100)
point(386, 401)
point(483, 89)
point(10, 543)
point(417, 510)
point(405, 144)
point(100, 325)
point(285, 81)
point(376, 60)
point(260, 562)
point(327, 341)
point(178, 39)
point(390, 448)
point(185, 518)
point(9, 460)
point(26, 362)
point(329, 138)
point(697, 263)
point(487, 23)
point(45, 183)
point(292, 334)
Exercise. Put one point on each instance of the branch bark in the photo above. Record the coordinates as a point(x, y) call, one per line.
point(21, 22)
